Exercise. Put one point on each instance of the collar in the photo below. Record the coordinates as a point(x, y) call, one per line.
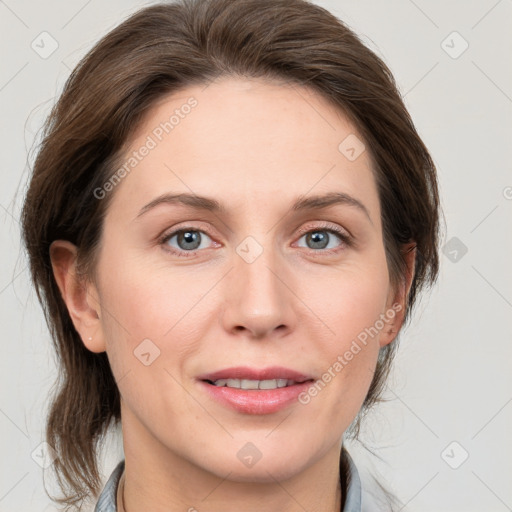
point(353, 493)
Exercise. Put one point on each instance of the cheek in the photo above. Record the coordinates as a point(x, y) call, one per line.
point(151, 300)
point(153, 314)
point(350, 306)
point(147, 327)
point(348, 300)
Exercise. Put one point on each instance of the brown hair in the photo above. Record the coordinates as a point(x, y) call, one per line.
point(157, 51)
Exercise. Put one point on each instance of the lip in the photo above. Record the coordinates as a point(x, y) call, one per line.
point(254, 401)
point(245, 372)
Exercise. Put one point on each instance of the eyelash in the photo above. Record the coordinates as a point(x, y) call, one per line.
point(345, 238)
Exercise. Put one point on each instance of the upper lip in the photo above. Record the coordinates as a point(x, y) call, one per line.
point(245, 372)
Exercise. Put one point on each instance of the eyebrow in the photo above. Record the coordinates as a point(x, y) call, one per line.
point(302, 203)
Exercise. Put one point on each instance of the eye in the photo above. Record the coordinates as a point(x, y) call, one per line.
point(185, 241)
point(330, 239)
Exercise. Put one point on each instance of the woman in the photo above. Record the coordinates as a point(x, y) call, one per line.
point(229, 220)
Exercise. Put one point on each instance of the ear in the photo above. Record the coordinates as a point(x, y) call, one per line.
point(79, 294)
point(397, 298)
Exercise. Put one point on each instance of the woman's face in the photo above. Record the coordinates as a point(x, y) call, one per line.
point(261, 281)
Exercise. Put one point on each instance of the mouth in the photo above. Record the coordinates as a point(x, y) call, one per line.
point(249, 384)
point(252, 391)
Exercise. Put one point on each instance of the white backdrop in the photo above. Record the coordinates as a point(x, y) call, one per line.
point(442, 437)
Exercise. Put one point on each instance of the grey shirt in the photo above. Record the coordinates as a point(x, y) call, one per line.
point(107, 501)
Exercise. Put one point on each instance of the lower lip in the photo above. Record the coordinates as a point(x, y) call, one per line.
point(254, 401)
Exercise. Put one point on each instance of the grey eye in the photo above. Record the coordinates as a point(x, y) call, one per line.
point(320, 239)
point(187, 239)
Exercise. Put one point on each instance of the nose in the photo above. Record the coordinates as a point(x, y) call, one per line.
point(258, 300)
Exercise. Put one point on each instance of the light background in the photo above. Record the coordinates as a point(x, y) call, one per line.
point(452, 378)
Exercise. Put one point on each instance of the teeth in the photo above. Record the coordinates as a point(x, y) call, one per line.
point(254, 384)
point(249, 384)
point(233, 383)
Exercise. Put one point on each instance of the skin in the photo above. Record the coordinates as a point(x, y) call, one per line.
point(255, 147)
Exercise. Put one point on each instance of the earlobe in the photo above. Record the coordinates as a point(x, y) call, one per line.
point(79, 294)
point(397, 301)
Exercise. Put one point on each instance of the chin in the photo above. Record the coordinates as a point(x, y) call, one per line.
point(261, 472)
point(249, 464)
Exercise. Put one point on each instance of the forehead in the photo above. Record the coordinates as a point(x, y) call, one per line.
point(259, 139)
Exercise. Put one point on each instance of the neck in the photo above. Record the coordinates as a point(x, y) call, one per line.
point(121, 506)
point(163, 481)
